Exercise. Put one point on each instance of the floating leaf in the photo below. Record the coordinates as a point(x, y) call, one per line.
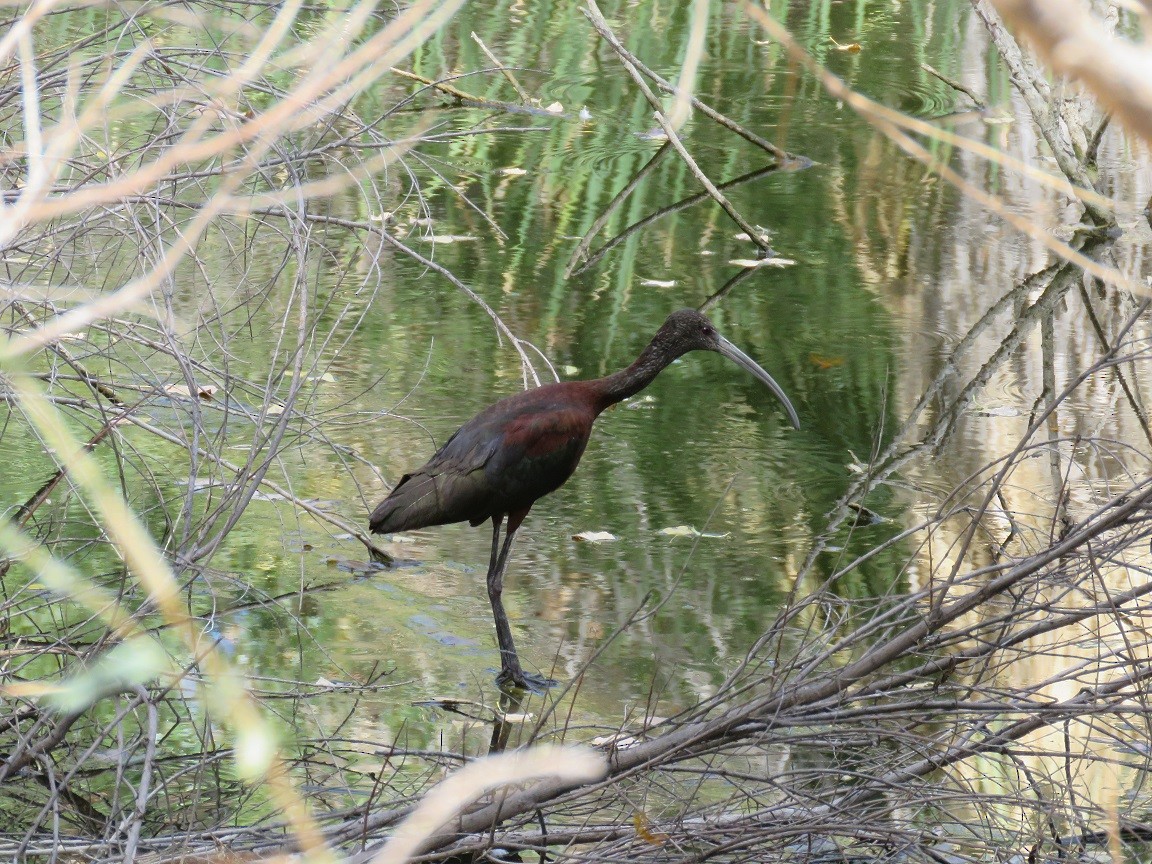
point(689, 531)
point(206, 392)
point(745, 237)
point(445, 239)
point(822, 362)
point(761, 262)
point(555, 108)
point(595, 537)
point(570, 370)
point(856, 466)
point(658, 283)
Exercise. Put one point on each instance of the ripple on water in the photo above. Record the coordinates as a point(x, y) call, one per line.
point(887, 72)
point(574, 90)
point(602, 152)
point(922, 98)
point(1003, 396)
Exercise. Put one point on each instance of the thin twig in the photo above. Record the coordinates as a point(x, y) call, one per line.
point(504, 70)
point(601, 26)
point(783, 156)
point(955, 85)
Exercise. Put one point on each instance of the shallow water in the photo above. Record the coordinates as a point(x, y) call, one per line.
point(892, 269)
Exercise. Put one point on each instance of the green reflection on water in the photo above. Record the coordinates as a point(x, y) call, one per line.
point(705, 447)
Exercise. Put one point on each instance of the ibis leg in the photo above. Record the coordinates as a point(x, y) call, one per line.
point(510, 670)
point(509, 661)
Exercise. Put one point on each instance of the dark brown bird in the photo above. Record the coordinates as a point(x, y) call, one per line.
point(523, 447)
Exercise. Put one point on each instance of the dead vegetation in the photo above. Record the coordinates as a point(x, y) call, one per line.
point(892, 726)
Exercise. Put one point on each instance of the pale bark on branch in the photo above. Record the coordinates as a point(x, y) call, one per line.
point(1078, 44)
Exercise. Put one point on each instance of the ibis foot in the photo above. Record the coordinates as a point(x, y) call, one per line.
point(524, 680)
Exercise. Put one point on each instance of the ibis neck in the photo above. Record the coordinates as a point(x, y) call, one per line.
point(628, 382)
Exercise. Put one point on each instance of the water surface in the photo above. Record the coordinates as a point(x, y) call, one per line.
point(892, 268)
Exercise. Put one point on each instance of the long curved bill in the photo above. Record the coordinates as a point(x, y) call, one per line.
point(743, 360)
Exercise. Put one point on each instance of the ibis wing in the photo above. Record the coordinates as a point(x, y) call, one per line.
point(499, 462)
point(450, 488)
